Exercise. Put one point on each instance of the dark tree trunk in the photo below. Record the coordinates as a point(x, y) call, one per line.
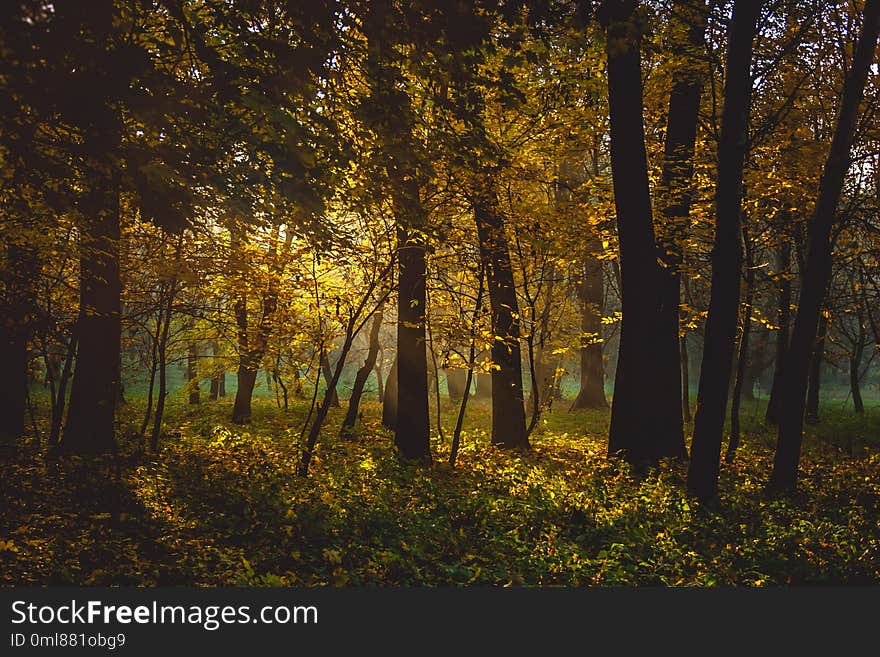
point(214, 391)
point(13, 382)
point(221, 384)
point(814, 383)
point(360, 379)
point(61, 395)
point(817, 270)
point(328, 376)
point(508, 410)
point(94, 390)
point(455, 383)
point(591, 294)
point(162, 353)
point(389, 401)
point(783, 317)
point(638, 432)
point(675, 203)
point(192, 374)
point(393, 120)
point(247, 380)
point(412, 427)
point(855, 363)
point(720, 331)
point(743, 356)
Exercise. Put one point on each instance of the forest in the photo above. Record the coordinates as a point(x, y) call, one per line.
point(439, 292)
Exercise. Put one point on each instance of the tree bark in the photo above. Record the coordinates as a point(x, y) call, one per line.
point(720, 332)
point(591, 293)
point(817, 270)
point(328, 376)
point(94, 390)
point(743, 355)
point(508, 410)
point(393, 121)
point(637, 430)
point(675, 202)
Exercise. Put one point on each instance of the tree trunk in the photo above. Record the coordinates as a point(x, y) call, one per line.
point(638, 432)
point(221, 384)
point(508, 410)
point(192, 375)
point(328, 376)
point(675, 202)
point(814, 383)
point(817, 270)
point(855, 362)
point(591, 294)
point(784, 318)
point(162, 353)
point(455, 383)
point(393, 121)
point(743, 356)
point(685, 380)
point(13, 383)
point(94, 390)
point(720, 331)
point(360, 379)
point(389, 401)
point(247, 380)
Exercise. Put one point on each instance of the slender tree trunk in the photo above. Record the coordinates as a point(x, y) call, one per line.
point(192, 375)
point(743, 356)
point(61, 394)
point(163, 360)
point(328, 376)
point(784, 319)
point(814, 383)
point(817, 270)
point(154, 364)
point(94, 390)
point(360, 379)
point(459, 422)
point(591, 293)
point(638, 423)
point(508, 410)
point(855, 362)
point(675, 202)
point(720, 332)
point(221, 384)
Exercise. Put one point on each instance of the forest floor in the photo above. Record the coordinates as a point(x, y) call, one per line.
point(222, 504)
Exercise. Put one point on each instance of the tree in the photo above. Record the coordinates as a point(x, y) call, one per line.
point(638, 430)
point(817, 272)
point(720, 332)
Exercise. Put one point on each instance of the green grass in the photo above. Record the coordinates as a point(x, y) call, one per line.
point(223, 505)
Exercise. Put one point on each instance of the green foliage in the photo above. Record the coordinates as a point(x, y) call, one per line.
point(221, 506)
